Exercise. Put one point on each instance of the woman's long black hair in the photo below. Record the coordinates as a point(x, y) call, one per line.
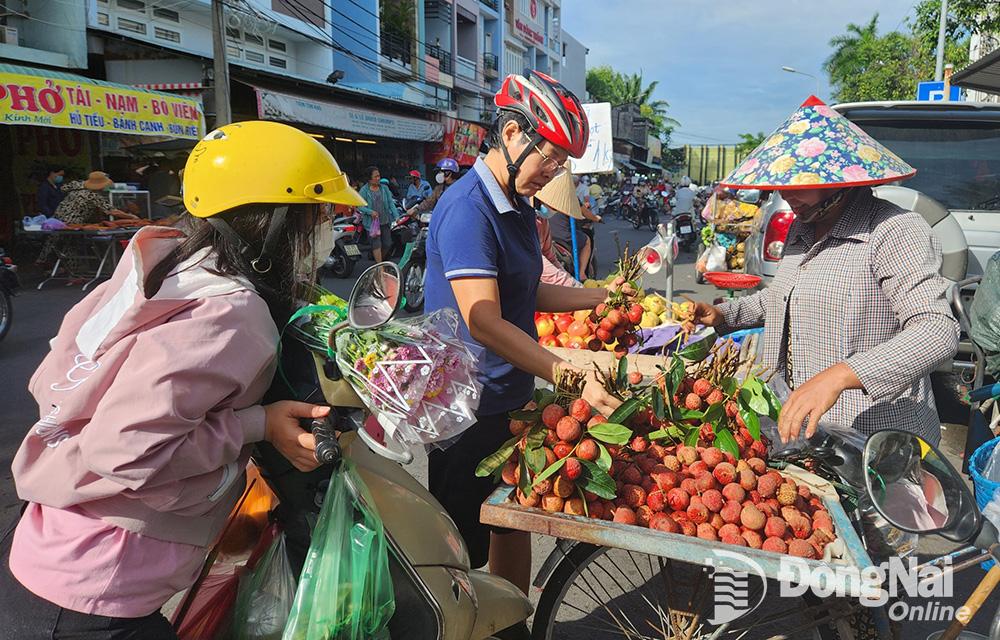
point(250, 222)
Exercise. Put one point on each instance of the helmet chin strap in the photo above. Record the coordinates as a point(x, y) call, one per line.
point(263, 262)
point(514, 167)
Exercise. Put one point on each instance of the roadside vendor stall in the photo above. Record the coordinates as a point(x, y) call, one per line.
point(61, 120)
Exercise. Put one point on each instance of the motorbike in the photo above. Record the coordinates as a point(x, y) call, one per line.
point(413, 267)
point(648, 213)
point(438, 596)
point(686, 230)
point(403, 231)
point(345, 254)
point(8, 289)
point(917, 490)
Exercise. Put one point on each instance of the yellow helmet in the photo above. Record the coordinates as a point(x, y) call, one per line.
point(262, 162)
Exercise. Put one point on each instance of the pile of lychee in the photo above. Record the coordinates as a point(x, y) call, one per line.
point(616, 325)
point(695, 491)
point(565, 438)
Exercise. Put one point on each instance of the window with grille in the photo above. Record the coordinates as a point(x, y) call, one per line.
point(280, 63)
point(167, 34)
point(166, 14)
point(277, 45)
point(102, 19)
point(133, 5)
point(253, 56)
point(131, 25)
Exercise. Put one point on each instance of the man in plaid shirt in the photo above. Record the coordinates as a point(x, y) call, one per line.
point(856, 317)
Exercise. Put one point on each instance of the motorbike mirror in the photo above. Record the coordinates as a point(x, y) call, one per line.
point(915, 488)
point(376, 296)
point(749, 196)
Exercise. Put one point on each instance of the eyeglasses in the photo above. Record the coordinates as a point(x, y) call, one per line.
point(550, 165)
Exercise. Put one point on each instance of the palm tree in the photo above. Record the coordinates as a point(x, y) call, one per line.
point(847, 59)
point(630, 90)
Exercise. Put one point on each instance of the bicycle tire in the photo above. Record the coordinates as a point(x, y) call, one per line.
point(572, 565)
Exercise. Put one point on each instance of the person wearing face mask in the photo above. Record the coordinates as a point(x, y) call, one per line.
point(49, 194)
point(151, 397)
point(484, 260)
point(445, 176)
point(856, 317)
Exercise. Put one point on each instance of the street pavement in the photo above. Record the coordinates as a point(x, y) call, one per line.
point(37, 315)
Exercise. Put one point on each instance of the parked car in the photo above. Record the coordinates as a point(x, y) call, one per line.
point(955, 148)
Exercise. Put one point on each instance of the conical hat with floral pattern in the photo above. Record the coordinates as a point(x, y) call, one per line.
point(818, 148)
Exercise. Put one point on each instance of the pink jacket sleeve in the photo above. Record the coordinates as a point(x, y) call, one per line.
point(186, 399)
point(551, 274)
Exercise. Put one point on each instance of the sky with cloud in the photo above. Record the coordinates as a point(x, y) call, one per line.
point(718, 62)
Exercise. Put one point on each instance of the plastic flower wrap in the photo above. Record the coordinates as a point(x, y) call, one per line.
point(417, 374)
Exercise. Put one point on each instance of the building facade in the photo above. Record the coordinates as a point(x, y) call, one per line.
point(392, 83)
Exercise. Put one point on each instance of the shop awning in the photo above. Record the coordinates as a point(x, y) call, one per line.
point(43, 98)
point(982, 75)
point(275, 105)
point(645, 166)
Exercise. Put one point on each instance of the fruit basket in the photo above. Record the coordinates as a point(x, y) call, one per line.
point(732, 281)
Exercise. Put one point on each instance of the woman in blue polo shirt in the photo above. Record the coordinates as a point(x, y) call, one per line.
point(483, 259)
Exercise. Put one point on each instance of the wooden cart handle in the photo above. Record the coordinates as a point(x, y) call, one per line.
point(972, 605)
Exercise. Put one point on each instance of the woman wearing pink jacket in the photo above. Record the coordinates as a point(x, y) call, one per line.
point(150, 397)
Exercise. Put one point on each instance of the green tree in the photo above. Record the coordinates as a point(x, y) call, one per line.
point(867, 66)
point(749, 142)
point(604, 84)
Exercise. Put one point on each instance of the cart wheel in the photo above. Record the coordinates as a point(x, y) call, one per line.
point(413, 285)
point(6, 314)
point(598, 592)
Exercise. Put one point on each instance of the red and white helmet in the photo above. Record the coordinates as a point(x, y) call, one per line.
point(551, 109)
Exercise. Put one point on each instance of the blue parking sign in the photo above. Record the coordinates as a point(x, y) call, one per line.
point(934, 92)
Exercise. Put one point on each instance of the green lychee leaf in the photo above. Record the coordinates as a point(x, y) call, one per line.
point(659, 410)
point(527, 415)
point(524, 482)
point(596, 480)
point(752, 421)
point(544, 397)
point(496, 460)
point(715, 414)
point(724, 440)
point(610, 433)
point(627, 409)
point(550, 470)
point(730, 386)
point(774, 404)
point(622, 372)
point(604, 457)
point(691, 438)
point(692, 414)
point(758, 404)
point(698, 351)
point(534, 452)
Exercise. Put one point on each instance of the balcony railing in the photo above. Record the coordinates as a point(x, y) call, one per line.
point(465, 68)
point(491, 65)
point(492, 4)
point(397, 47)
point(443, 57)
